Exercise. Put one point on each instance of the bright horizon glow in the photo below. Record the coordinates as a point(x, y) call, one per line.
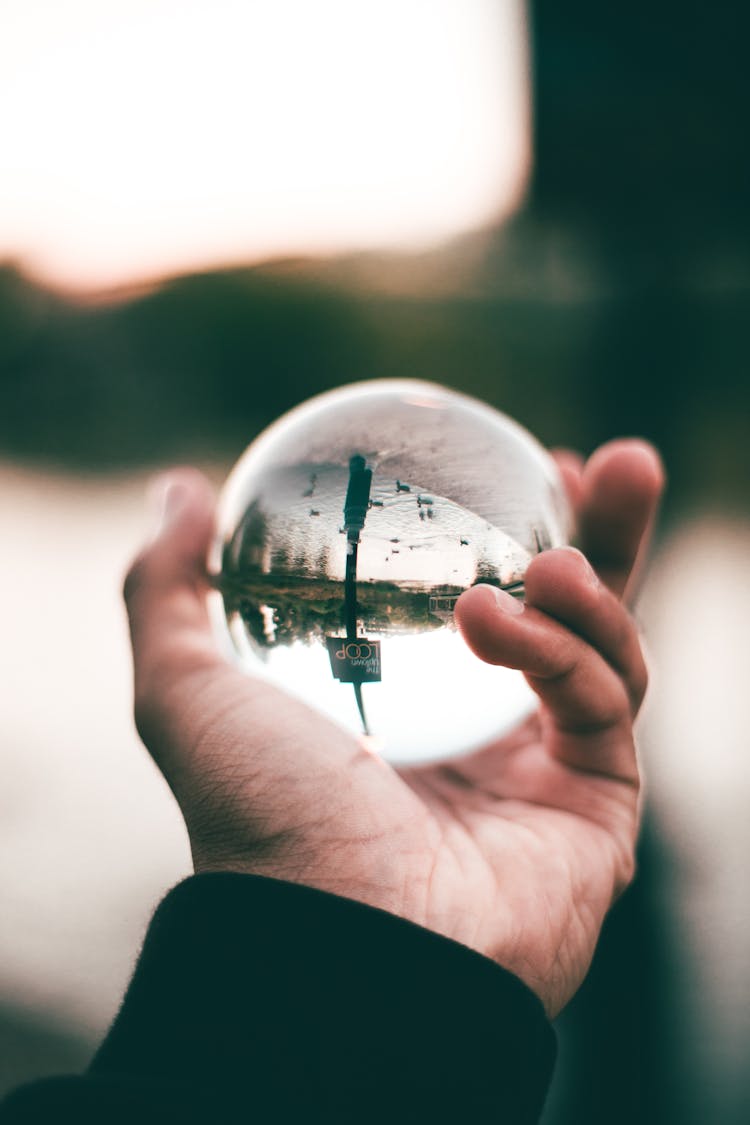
point(156, 136)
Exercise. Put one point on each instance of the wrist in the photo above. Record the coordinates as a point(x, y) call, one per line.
point(367, 877)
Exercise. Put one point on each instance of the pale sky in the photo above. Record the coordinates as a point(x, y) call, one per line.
point(139, 137)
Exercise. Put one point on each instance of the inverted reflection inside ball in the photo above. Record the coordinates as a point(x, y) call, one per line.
point(346, 534)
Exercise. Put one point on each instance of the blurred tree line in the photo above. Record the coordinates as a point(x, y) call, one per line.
point(614, 302)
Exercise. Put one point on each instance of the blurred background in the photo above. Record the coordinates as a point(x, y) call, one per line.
point(210, 212)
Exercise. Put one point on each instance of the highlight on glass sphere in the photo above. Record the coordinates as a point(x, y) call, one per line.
point(347, 532)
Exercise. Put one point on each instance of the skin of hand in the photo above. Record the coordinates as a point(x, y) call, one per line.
point(517, 850)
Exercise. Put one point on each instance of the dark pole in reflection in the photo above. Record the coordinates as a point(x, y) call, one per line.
point(355, 512)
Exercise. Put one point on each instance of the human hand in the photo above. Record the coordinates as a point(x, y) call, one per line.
point(517, 850)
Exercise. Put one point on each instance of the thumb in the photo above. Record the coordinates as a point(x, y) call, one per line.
point(165, 590)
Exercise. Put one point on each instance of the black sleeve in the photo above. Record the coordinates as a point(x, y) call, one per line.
point(260, 1001)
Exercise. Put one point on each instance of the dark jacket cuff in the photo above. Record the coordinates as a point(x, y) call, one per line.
point(262, 1001)
point(305, 999)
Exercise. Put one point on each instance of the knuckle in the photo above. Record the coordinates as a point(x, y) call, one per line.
point(615, 710)
point(635, 669)
point(623, 631)
point(561, 659)
point(626, 643)
point(608, 712)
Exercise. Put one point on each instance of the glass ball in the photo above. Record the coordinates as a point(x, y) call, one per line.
point(346, 533)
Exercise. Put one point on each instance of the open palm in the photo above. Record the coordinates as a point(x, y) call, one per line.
point(516, 851)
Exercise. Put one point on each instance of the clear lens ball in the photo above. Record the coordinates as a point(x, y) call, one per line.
point(347, 532)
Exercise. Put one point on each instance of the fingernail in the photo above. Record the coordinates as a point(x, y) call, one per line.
point(505, 602)
point(586, 568)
